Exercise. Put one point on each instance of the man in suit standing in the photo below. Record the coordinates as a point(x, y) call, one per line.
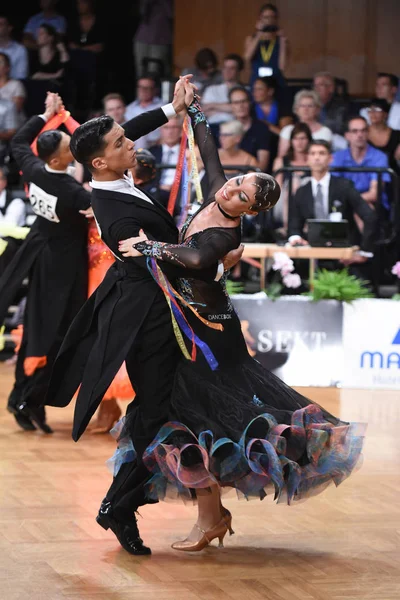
point(335, 198)
point(127, 317)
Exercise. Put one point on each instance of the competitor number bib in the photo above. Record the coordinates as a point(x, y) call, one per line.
point(43, 204)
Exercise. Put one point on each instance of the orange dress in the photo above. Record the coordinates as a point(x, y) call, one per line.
point(100, 260)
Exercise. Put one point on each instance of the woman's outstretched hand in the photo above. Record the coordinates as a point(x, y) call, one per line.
point(126, 246)
point(190, 90)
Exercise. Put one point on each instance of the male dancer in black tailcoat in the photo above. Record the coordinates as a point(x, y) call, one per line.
point(53, 257)
point(127, 318)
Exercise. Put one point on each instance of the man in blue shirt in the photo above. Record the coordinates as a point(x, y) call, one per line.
point(361, 154)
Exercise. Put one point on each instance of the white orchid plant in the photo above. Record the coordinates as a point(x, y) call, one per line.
point(285, 275)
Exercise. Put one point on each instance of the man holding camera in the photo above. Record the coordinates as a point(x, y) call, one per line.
point(266, 50)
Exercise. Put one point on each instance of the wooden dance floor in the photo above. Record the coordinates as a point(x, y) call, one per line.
point(342, 545)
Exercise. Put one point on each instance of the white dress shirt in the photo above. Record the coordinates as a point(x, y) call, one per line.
point(15, 213)
point(125, 185)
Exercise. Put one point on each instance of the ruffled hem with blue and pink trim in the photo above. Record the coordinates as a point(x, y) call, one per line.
point(293, 461)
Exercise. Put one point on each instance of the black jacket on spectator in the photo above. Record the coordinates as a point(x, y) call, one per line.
point(53, 255)
point(341, 190)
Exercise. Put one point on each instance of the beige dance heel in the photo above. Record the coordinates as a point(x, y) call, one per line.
point(219, 531)
point(227, 518)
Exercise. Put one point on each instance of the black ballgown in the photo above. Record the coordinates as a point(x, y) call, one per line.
point(231, 420)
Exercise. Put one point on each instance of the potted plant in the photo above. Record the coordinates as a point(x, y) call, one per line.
point(338, 285)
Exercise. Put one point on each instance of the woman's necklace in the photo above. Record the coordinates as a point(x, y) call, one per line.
point(226, 214)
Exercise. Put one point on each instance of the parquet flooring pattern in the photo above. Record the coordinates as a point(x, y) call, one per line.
point(342, 545)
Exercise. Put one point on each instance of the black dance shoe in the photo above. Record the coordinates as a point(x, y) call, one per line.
point(127, 534)
point(36, 414)
point(23, 421)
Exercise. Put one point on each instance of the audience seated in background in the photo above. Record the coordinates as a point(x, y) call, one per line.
point(146, 99)
point(51, 57)
point(333, 198)
point(167, 153)
point(386, 87)
point(48, 16)
point(306, 107)
point(16, 52)
point(205, 72)
point(334, 109)
point(296, 156)
point(257, 137)
point(8, 126)
point(267, 106)
point(380, 135)
point(12, 89)
point(266, 50)
point(114, 106)
point(361, 154)
point(153, 38)
point(230, 136)
point(215, 100)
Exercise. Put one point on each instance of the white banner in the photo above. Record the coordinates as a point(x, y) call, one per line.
point(297, 339)
point(371, 344)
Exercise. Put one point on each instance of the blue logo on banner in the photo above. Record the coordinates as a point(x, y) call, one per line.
point(375, 359)
point(397, 338)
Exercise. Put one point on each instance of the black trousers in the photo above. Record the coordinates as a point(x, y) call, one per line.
point(151, 365)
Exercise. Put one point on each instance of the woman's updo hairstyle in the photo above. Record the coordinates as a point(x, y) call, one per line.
point(267, 194)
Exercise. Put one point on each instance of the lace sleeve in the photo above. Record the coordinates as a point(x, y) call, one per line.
point(207, 146)
point(214, 244)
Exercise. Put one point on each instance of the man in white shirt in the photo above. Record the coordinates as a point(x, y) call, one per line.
point(386, 87)
point(146, 99)
point(215, 100)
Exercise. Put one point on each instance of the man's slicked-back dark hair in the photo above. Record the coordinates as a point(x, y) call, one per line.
point(87, 141)
point(48, 143)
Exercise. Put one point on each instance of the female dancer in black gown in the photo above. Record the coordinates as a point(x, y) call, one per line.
point(234, 425)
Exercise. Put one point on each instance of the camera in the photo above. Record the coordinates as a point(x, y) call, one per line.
point(270, 29)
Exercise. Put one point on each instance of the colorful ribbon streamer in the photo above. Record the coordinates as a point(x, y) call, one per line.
point(182, 173)
point(178, 176)
point(179, 320)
